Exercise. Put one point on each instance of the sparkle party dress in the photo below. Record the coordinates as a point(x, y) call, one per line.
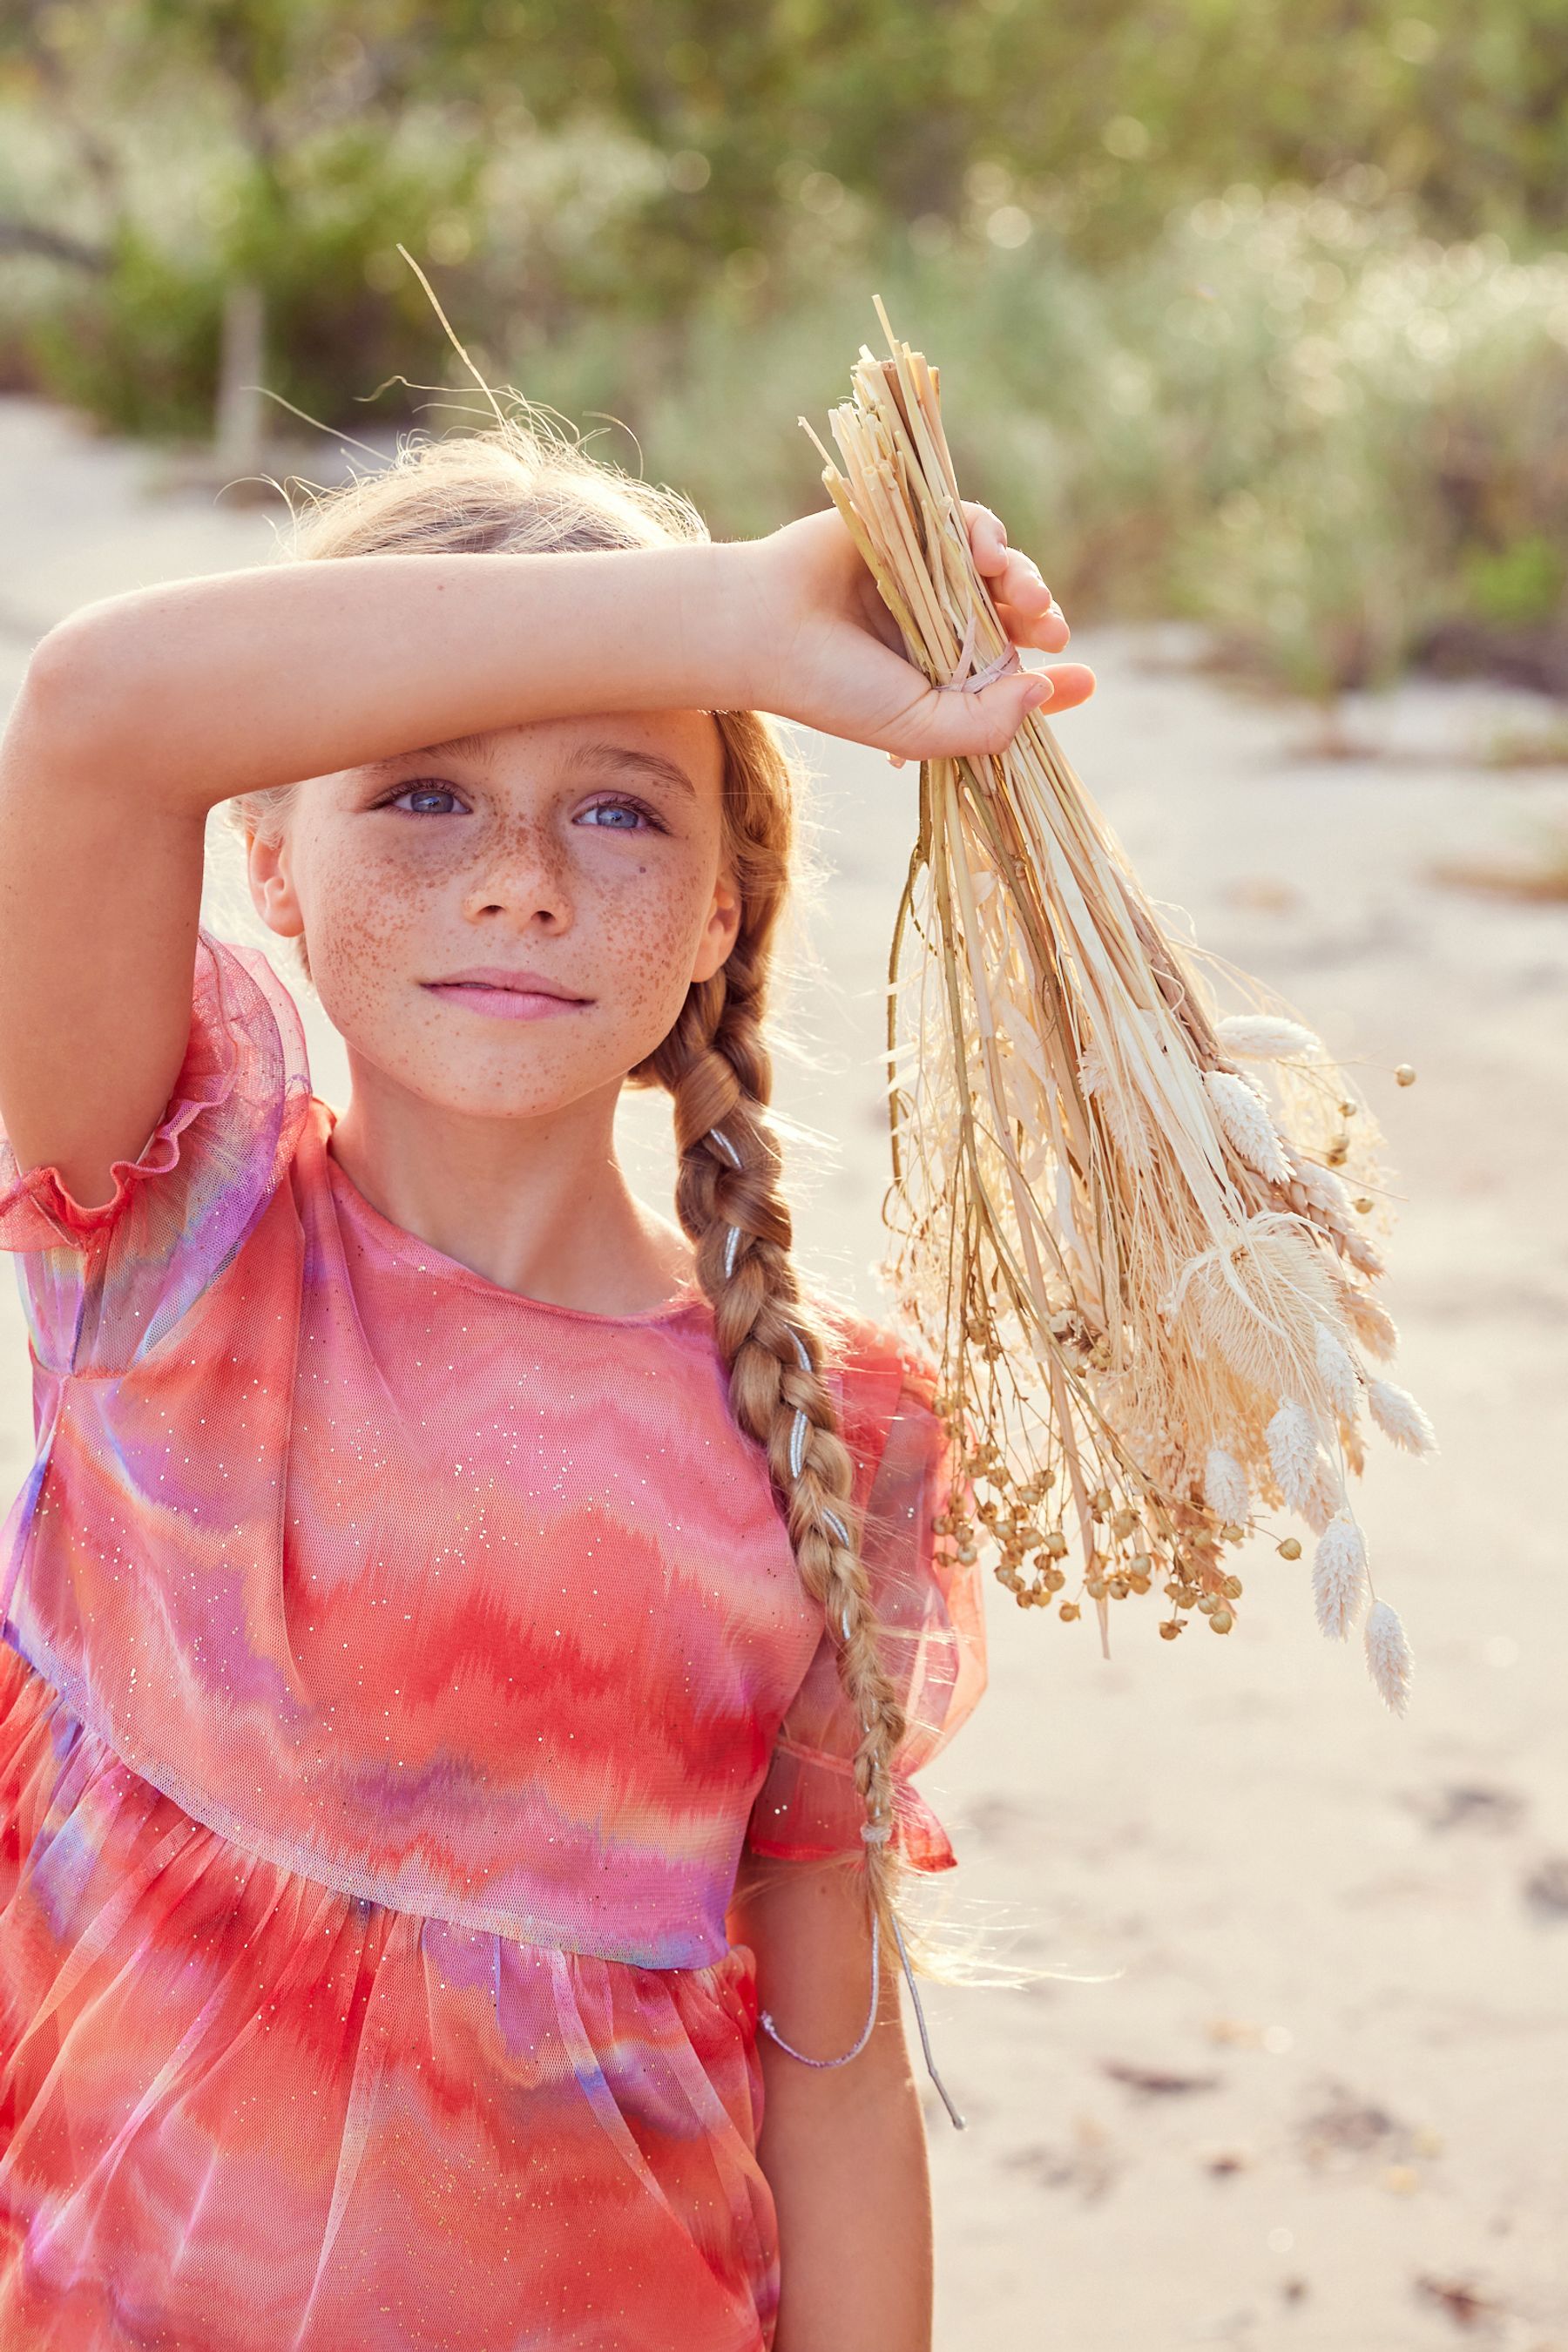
point(393, 1670)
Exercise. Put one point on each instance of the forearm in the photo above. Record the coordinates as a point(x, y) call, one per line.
point(845, 2152)
point(204, 688)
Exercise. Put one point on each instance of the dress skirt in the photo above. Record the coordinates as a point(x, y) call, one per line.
point(241, 2111)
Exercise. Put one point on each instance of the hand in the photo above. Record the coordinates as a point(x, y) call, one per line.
point(833, 656)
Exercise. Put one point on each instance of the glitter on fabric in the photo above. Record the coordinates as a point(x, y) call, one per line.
point(393, 1670)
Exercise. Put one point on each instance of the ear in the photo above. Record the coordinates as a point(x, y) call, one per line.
point(721, 930)
point(272, 893)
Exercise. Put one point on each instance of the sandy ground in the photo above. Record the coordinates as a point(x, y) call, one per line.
point(1301, 2079)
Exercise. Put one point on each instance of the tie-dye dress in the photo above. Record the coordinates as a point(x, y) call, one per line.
point(394, 1669)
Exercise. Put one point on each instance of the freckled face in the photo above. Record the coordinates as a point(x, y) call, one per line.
point(504, 933)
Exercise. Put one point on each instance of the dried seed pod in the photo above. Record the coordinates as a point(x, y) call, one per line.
point(1399, 1417)
point(1339, 1575)
point(1247, 1122)
point(1225, 1484)
point(1337, 1372)
point(1388, 1657)
point(1293, 1452)
point(1265, 1038)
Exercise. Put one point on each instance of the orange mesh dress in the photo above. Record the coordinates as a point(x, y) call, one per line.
point(394, 1668)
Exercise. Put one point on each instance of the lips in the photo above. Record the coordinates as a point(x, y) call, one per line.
point(507, 994)
point(496, 975)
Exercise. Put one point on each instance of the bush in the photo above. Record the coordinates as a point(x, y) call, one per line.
point(1293, 416)
point(1341, 445)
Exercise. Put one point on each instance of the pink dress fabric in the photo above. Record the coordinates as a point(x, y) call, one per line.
point(394, 1669)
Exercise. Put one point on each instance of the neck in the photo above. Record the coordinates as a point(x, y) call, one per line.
point(540, 1206)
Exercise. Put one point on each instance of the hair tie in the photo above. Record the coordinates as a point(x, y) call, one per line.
point(731, 1245)
point(797, 1438)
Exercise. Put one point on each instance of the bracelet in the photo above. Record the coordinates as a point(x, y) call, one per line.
point(766, 2023)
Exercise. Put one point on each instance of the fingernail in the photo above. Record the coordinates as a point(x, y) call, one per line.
point(1041, 691)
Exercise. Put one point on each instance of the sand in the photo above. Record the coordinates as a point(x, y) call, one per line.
point(1300, 2079)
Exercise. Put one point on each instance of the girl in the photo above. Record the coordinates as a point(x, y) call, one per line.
point(453, 1608)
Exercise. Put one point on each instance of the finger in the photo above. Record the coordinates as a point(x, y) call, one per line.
point(948, 726)
point(995, 715)
point(1074, 683)
point(953, 726)
point(987, 538)
point(1020, 582)
point(1047, 631)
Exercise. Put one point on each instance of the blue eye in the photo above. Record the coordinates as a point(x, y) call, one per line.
point(426, 799)
point(618, 816)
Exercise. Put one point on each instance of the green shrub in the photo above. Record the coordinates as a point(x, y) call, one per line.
point(1293, 416)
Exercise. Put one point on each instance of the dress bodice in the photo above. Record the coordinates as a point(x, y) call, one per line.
point(460, 1602)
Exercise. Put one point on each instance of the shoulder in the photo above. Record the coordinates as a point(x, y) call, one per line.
point(863, 1343)
point(906, 1461)
point(883, 1380)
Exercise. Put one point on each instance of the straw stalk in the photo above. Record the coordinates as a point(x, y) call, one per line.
point(1130, 1225)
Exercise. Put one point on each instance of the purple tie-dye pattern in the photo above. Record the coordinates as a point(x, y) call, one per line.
point(394, 1669)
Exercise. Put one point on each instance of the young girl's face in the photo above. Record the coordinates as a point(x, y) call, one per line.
point(505, 926)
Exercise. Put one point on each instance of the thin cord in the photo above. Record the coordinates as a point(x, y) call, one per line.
point(765, 2019)
point(959, 2123)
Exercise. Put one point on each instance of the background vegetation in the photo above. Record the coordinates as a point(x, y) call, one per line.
point(1251, 310)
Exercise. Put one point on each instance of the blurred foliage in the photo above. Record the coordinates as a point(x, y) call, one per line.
point(1249, 308)
point(1340, 444)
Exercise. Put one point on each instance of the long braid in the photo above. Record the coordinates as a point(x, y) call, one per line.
point(716, 1066)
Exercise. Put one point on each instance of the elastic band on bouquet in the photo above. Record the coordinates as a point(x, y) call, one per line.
point(1007, 661)
point(962, 682)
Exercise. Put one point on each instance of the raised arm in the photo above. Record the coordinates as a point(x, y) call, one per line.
point(139, 714)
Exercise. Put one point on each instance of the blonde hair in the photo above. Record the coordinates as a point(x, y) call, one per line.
point(518, 488)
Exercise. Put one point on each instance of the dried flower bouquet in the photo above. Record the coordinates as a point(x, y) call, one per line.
point(1133, 1228)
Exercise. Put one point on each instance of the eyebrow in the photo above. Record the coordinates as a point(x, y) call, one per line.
point(618, 755)
point(461, 747)
point(645, 763)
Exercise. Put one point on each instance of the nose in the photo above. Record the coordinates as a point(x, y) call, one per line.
point(521, 872)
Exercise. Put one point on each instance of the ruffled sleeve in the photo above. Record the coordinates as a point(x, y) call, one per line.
point(104, 1285)
point(931, 1610)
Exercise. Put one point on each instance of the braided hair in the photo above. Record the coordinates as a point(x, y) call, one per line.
point(716, 1066)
